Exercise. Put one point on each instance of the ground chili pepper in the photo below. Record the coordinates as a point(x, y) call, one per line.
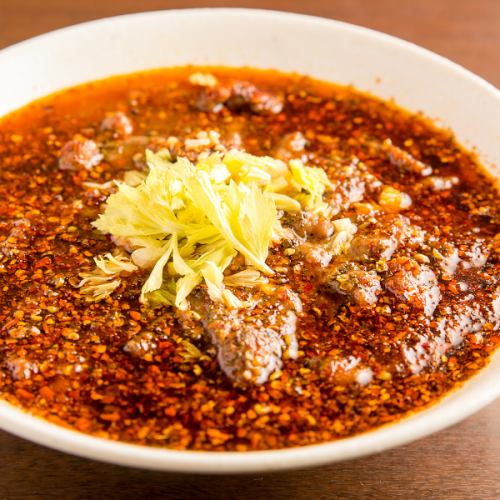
point(122, 371)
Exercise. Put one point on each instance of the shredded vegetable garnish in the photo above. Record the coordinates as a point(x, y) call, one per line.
point(104, 279)
point(186, 222)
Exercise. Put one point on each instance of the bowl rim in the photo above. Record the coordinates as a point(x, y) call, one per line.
point(342, 25)
point(25, 425)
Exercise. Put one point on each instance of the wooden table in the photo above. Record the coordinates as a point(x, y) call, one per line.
point(460, 463)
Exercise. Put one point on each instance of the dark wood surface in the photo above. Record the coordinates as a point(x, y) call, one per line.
point(459, 463)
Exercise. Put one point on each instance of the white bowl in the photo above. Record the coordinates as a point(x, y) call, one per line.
point(387, 67)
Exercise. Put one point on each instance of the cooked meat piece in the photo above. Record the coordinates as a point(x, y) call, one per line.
point(426, 351)
point(314, 238)
point(339, 369)
point(213, 98)
point(249, 354)
point(260, 102)
point(456, 322)
point(308, 224)
point(236, 97)
point(127, 152)
point(381, 239)
point(476, 255)
point(118, 124)
point(349, 184)
point(250, 342)
point(447, 258)
point(141, 344)
point(358, 285)
point(365, 247)
point(314, 253)
point(414, 283)
point(346, 190)
point(404, 160)
point(289, 146)
point(21, 368)
point(462, 319)
point(319, 227)
point(17, 239)
point(437, 183)
point(79, 153)
point(317, 239)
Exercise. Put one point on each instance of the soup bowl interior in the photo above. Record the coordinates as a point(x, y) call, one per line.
point(384, 66)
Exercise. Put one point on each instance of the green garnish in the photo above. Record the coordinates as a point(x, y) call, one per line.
point(187, 222)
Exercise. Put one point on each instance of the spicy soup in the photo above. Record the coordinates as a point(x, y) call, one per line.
point(233, 259)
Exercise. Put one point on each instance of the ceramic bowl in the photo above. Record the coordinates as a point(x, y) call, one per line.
point(385, 66)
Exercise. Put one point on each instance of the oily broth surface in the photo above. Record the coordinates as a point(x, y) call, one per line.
point(63, 358)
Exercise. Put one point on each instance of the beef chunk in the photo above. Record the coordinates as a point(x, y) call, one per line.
point(240, 95)
point(339, 369)
point(213, 99)
point(249, 354)
point(251, 343)
point(21, 368)
point(348, 188)
point(319, 227)
point(79, 153)
point(308, 224)
point(314, 254)
point(381, 239)
point(414, 283)
point(438, 183)
point(118, 124)
point(365, 246)
point(310, 234)
point(476, 255)
point(260, 102)
point(141, 344)
point(349, 184)
point(458, 322)
point(404, 160)
point(18, 238)
point(447, 258)
point(327, 239)
point(358, 285)
point(290, 145)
